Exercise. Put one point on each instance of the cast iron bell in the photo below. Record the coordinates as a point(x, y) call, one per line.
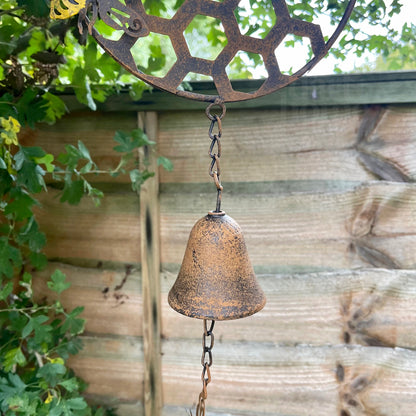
point(216, 280)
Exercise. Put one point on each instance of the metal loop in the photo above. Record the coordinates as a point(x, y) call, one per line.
point(206, 371)
point(215, 141)
point(211, 327)
point(211, 128)
point(204, 341)
point(214, 116)
point(217, 182)
point(215, 162)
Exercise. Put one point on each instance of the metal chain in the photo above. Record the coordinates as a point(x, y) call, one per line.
point(206, 361)
point(214, 167)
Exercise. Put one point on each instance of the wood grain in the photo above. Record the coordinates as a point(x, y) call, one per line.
point(265, 379)
point(111, 298)
point(113, 368)
point(363, 307)
point(291, 144)
point(110, 232)
point(307, 231)
point(150, 254)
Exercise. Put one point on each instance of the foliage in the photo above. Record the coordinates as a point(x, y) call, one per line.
point(36, 339)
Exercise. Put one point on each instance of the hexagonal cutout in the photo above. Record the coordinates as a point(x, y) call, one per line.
point(246, 65)
point(165, 9)
point(154, 54)
point(194, 76)
point(293, 53)
point(205, 37)
point(255, 19)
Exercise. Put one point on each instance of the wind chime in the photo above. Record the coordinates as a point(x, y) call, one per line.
point(216, 281)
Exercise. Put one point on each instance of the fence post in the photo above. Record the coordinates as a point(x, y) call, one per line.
point(150, 257)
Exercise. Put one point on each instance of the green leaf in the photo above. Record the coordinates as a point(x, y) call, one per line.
point(13, 357)
point(52, 373)
point(85, 153)
point(58, 283)
point(73, 192)
point(37, 8)
point(6, 182)
point(32, 236)
point(6, 291)
point(2, 164)
point(47, 161)
point(130, 141)
point(77, 403)
point(73, 324)
point(82, 88)
point(42, 330)
point(70, 385)
point(165, 163)
point(20, 206)
point(10, 258)
point(38, 260)
point(55, 107)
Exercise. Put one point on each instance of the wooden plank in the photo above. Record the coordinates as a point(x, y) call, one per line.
point(150, 230)
point(264, 145)
point(292, 144)
point(95, 129)
point(363, 307)
point(328, 90)
point(369, 225)
point(112, 367)
point(111, 298)
point(270, 379)
point(110, 232)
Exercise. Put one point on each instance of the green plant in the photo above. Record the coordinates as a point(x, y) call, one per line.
point(36, 339)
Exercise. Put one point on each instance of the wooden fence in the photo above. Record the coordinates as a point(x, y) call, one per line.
point(321, 178)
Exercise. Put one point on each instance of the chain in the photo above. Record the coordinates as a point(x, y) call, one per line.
point(214, 167)
point(206, 362)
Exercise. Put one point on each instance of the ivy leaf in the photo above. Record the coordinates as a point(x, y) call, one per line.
point(32, 236)
point(6, 291)
point(165, 163)
point(10, 258)
point(52, 373)
point(42, 331)
point(73, 192)
point(20, 206)
point(58, 283)
point(55, 107)
point(82, 88)
point(130, 141)
point(77, 403)
point(37, 8)
point(138, 177)
point(47, 161)
point(73, 324)
point(6, 182)
point(38, 260)
point(13, 357)
point(70, 385)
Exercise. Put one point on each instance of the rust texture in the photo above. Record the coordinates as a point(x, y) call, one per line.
point(216, 280)
point(132, 19)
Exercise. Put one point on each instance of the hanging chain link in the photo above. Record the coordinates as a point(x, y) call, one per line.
point(215, 148)
point(206, 362)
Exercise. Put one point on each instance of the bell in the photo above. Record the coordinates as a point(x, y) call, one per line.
point(216, 280)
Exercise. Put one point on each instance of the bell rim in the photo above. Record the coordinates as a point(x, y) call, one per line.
point(215, 317)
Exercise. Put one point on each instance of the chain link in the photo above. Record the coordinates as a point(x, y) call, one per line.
point(206, 361)
point(215, 148)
